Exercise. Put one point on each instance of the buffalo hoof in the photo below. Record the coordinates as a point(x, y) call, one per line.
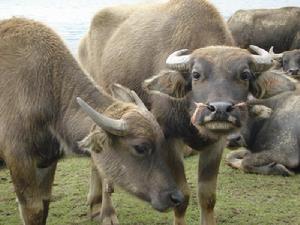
point(95, 211)
point(109, 220)
point(179, 222)
point(234, 159)
point(279, 169)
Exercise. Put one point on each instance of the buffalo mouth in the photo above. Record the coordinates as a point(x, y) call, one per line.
point(222, 120)
point(219, 125)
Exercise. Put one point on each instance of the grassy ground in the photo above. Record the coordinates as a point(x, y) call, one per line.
point(243, 199)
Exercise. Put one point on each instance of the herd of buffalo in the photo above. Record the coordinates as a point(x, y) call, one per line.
point(149, 81)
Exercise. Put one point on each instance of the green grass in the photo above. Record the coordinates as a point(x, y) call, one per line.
point(242, 199)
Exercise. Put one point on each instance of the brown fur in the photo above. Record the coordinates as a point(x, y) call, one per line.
point(39, 83)
point(266, 28)
point(139, 43)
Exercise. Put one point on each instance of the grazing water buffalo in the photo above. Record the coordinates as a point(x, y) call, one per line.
point(270, 145)
point(39, 83)
point(128, 44)
point(266, 28)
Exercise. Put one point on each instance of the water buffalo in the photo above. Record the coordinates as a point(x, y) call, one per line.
point(270, 145)
point(222, 77)
point(267, 27)
point(128, 44)
point(40, 81)
point(288, 61)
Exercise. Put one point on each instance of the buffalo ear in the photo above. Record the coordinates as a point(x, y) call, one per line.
point(94, 141)
point(168, 82)
point(261, 111)
point(121, 93)
point(271, 83)
point(126, 95)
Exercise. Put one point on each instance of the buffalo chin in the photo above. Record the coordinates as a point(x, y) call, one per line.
point(220, 126)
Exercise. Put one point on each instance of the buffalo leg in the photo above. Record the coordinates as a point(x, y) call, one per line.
point(235, 158)
point(108, 214)
point(24, 177)
point(175, 162)
point(45, 180)
point(95, 193)
point(260, 163)
point(208, 168)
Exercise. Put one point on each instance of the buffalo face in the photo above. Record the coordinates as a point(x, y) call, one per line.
point(127, 147)
point(221, 78)
point(291, 62)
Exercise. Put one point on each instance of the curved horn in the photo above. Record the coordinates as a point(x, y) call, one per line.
point(138, 101)
point(274, 55)
point(178, 61)
point(264, 60)
point(116, 127)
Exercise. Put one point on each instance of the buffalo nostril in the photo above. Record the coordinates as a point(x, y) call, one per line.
point(229, 108)
point(220, 107)
point(211, 108)
point(177, 198)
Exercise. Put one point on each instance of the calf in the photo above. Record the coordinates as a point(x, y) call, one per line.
point(39, 83)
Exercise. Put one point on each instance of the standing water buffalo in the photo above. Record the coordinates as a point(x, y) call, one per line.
point(39, 83)
point(266, 28)
point(271, 145)
point(129, 44)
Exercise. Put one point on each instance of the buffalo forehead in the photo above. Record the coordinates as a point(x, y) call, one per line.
point(227, 58)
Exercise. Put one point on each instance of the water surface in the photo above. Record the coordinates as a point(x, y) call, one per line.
point(71, 18)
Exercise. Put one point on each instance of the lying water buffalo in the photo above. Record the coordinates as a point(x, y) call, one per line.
point(266, 28)
point(289, 62)
point(270, 145)
point(39, 83)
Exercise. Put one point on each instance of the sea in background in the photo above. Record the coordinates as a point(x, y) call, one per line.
point(71, 18)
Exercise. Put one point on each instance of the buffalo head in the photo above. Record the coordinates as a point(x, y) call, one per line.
point(221, 78)
point(127, 146)
point(289, 61)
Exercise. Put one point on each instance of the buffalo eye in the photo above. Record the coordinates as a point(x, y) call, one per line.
point(246, 75)
point(142, 150)
point(196, 75)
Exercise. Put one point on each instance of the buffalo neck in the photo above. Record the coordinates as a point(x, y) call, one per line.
point(72, 124)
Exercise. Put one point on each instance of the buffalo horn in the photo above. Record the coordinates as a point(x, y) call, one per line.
point(264, 60)
point(113, 126)
point(274, 55)
point(178, 61)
